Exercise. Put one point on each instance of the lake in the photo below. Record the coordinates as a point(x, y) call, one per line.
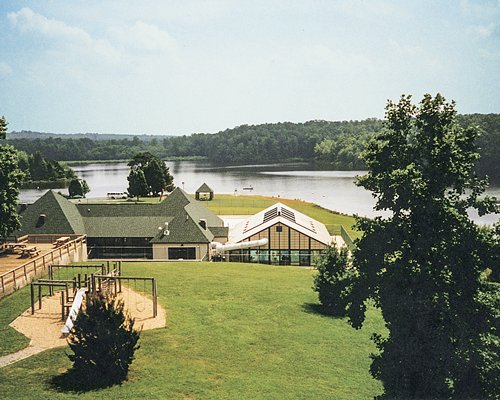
point(334, 190)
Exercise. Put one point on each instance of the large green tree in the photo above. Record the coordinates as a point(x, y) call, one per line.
point(137, 185)
point(424, 264)
point(10, 181)
point(78, 187)
point(155, 171)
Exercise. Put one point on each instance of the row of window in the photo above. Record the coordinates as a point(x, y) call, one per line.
point(278, 257)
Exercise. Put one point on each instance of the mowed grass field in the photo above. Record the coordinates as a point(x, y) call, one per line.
point(234, 331)
point(228, 204)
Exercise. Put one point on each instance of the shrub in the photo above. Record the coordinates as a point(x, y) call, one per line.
point(103, 340)
point(334, 280)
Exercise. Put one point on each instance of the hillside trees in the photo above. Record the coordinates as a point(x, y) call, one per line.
point(336, 144)
point(424, 264)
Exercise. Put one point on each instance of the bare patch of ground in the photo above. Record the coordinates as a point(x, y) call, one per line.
point(44, 327)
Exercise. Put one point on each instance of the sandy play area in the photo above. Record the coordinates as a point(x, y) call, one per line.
point(44, 327)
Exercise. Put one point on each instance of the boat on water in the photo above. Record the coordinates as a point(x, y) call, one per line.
point(249, 187)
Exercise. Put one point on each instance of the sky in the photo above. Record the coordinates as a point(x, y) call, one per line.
point(180, 67)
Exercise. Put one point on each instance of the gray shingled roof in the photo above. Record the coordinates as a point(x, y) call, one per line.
point(219, 231)
point(204, 189)
point(61, 216)
point(179, 209)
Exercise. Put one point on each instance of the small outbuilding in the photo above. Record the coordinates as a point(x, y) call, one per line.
point(204, 192)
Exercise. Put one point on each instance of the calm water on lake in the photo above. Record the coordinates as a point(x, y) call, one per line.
point(331, 189)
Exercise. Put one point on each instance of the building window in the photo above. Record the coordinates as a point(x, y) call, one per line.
point(279, 228)
point(185, 253)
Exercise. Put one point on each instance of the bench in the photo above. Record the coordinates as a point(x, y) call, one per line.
point(30, 251)
point(60, 241)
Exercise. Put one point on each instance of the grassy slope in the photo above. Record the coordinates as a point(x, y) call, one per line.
point(228, 204)
point(234, 331)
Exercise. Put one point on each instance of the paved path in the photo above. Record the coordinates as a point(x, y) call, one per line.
point(20, 355)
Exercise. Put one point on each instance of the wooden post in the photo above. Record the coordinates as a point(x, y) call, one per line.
point(120, 273)
point(62, 305)
point(32, 299)
point(51, 277)
point(39, 297)
point(153, 290)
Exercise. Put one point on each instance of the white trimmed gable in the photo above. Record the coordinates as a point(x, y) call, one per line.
point(279, 213)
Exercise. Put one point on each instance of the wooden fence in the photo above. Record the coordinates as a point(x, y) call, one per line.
point(74, 250)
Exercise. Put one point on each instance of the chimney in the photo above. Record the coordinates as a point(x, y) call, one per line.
point(203, 223)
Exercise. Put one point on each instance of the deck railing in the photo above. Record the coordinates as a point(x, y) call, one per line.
point(16, 278)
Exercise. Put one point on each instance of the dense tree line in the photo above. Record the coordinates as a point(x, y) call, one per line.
point(336, 144)
point(37, 168)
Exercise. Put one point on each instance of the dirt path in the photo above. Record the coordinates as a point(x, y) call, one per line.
point(44, 327)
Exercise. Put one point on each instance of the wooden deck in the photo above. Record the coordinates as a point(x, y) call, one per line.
point(11, 261)
point(39, 252)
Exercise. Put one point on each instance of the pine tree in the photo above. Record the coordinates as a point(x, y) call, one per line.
point(103, 341)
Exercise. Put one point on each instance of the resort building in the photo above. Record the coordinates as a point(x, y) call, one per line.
point(179, 227)
point(293, 238)
point(176, 228)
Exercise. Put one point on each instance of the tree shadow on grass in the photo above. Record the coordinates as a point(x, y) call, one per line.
point(72, 382)
point(320, 309)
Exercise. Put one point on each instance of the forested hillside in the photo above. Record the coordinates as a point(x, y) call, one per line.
point(337, 144)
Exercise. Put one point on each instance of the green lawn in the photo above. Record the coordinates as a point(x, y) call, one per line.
point(234, 331)
point(228, 204)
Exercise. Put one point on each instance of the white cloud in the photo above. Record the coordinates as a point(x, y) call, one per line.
point(26, 20)
point(5, 69)
point(143, 36)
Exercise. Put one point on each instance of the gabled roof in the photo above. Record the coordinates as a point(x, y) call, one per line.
point(61, 216)
point(184, 229)
point(179, 209)
point(279, 213)
point(124, 226)
point(219, 231)
point(204, 189)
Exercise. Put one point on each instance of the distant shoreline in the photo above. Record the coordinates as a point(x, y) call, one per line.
point(189, 158)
